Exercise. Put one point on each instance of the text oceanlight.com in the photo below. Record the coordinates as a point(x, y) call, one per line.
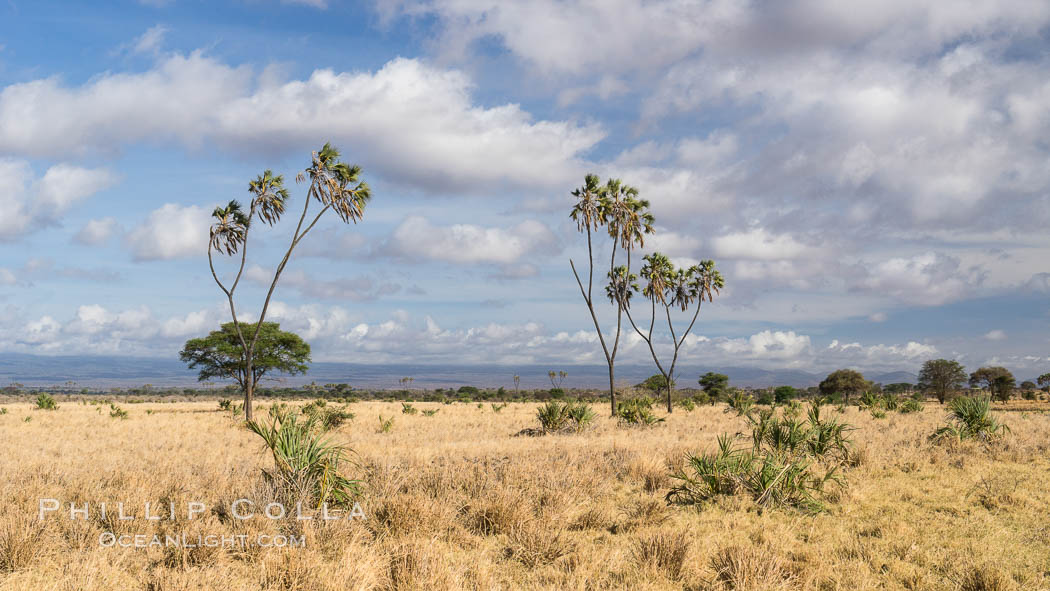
point(110, 539)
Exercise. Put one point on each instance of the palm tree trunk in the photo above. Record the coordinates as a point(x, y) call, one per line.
point(612, 392)
point(249, 387)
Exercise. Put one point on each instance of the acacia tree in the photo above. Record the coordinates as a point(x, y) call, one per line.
point(220, 355)
point(941, 376)
point(844, 381)
point(626, 218)
point(714, 384)
point(997, 380)
point(667, 287)
point(333, 184)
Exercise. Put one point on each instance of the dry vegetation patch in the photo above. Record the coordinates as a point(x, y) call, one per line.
point(454, 501)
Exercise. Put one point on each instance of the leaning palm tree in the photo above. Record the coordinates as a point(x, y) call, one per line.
point(626, 218)
point(334, 185)
point(667, 287)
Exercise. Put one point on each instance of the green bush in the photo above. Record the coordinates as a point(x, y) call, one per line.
point(306, 464)
point(909, 405)
point(115, 412)
point(740, 402)
point(498, 407)
point(789, 463)
point(969, 418)
point(408, 409)
point(46, 402)
point(556, 416)
point(385, 425)
point(687, 404)
point(637, 412)
point(430, 412)
point(224, 404)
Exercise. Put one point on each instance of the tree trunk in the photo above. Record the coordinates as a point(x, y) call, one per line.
point(669, 407)
point(612, 392)
point(249, 387)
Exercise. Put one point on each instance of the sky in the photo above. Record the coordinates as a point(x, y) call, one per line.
point(871, 178)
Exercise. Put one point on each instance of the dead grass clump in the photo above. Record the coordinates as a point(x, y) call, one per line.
point(984, 578)
point(663, 551)
point(750, 568)
point(534, 544)
point(499, 515)
point(20, 542)
point(594, 518)
point(414, 566)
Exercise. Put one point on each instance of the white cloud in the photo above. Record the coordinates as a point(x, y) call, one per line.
point(97, 231)
point(417, 238)
point(759, 244)
point(28, 203)
point(769, 345)
point(928, 279)
point(172, 231)
point(150, 41)
point(996, 335)
point(414, 123)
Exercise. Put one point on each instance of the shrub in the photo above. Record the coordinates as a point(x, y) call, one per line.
point(224, 404)
point(891, 402)
point(3, 411)
point(878, 413)
point(46, 402)
point(687, 404)
point(498, 407)
point(909, 405)
point(702, 398)
point(740, 402)
point(115, 412)
point(870, 400)
point(637, 412)
point(306, 463)
point(789, 463)
point(385, 425)
point(327, 418)
point(468, 391)
point(557, 416)
point(969, 419)
point(766, 399)
point(430, 412)
point(408, 409)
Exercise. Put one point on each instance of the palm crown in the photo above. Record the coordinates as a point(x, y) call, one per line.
point(229, 229)
point(680, 287)
point(336, 184)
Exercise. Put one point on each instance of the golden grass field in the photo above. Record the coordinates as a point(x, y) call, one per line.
point(455, 501)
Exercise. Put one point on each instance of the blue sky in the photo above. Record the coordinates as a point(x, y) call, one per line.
point(873, 182)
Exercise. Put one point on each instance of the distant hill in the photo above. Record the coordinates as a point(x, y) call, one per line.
point(111, 371)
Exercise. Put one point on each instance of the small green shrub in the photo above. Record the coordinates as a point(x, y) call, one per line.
point(969, 418)
point(306, 464)
point(790, 462)
point(3, 411)
point(115, 412)
point(687, 404)
point(46, 402)
point(408, 409)
point(224, 404)
point(556, 416)
point(385, 425)
point(702, 398)
point(498, 407)
point(637, 412)
point(430, 412)
point(740, 402)
point(909, 405)
point(878, 413)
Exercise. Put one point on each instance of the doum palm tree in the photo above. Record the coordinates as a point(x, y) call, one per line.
point(333, 184)
point(626, 218)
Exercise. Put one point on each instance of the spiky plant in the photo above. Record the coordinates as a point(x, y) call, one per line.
point(306, 462)
point(970, 418)
point(46, 402)
point(553, 415)
point(408, 409)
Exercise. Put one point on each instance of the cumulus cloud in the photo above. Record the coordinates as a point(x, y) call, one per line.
point(338, 288)
point(28, 203)
point(172, 231)
point(97, 231)
point(928, 279)
point(996, 335)
point(411, 122)
point(416, 238)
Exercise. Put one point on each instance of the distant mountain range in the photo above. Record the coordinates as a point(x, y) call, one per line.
point(104, 372)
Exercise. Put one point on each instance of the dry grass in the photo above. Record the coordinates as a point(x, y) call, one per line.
point(454, 501)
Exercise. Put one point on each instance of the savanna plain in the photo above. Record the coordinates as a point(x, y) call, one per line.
point(455, 500)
